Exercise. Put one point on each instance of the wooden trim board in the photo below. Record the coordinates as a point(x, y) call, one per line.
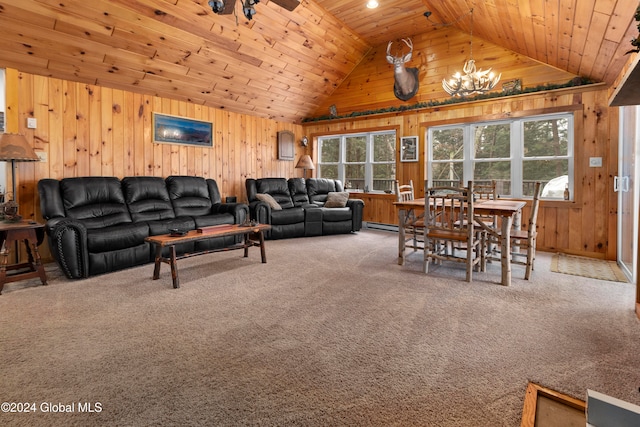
point(534, 398)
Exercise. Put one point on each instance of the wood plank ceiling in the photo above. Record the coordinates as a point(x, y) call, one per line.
point(284, 64)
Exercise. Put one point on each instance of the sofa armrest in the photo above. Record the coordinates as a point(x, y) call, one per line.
point(68, 244)
point(240, 211)
point(260, 211)
point(357, 207)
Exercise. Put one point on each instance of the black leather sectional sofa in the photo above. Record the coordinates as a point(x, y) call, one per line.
point(300, 207)
point(97, 225)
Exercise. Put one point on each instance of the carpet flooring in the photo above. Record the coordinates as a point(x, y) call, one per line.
point(330, 332)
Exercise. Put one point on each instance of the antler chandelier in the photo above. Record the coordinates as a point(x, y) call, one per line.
point(474, 80)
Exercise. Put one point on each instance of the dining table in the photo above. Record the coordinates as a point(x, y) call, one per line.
point(508, 210)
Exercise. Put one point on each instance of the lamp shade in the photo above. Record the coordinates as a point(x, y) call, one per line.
point(305, 162)
point(14, 147)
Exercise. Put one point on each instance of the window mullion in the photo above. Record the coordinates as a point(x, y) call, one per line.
point(343, 156)
point(517, 157)
point(468, 158)
point(368, 168)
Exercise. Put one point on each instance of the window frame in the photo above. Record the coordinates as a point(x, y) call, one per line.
point(516, 154)
point(368, 163)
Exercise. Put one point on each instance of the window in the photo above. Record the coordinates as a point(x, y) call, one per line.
point(365, 161)
point(515, 153)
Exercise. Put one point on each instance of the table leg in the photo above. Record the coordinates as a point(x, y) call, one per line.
point(402, 215)
point(5, 258)
point(505, 250)
point(28, 249)
point(247, 242)
point(263, 252)
point(158, 261)
point(174, 267)
point(34, 255)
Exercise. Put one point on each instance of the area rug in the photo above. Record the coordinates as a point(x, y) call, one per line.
point(587, 267)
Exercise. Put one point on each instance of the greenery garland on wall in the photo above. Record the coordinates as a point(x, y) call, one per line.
point(577, 81)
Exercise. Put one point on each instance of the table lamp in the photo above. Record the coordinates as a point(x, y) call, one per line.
point(305, 163)
point(15, 148)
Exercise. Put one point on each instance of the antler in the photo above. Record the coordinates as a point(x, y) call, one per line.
point(409, 43)
point(402, 58)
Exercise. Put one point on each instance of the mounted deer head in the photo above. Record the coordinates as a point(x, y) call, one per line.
point(406, 79)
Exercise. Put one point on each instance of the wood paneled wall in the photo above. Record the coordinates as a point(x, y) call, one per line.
point(88, 130)
point(437, 55)
point(585, 226)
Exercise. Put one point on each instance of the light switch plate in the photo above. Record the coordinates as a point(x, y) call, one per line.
point(42, 155)
point(595, 162)
point(32, 123)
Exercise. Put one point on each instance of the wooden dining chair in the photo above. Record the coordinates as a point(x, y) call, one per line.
point(523, 242)
point(414, 224)
point(485, 190)
point(448, 224)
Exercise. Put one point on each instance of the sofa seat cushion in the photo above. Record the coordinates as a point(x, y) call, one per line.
point(287, 216)
point(336, 214)
point(116, 237)
point(217, 219)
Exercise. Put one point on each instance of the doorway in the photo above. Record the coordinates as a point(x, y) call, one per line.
point(627, 190)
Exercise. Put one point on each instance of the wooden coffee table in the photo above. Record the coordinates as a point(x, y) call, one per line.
point(252, 236)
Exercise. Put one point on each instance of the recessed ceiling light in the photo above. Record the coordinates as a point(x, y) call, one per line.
point(372, 4)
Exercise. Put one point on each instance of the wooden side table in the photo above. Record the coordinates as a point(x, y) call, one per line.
point(10, 233)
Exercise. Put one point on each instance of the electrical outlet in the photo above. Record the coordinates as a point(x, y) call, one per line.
point(595, 162)
point(32, 123)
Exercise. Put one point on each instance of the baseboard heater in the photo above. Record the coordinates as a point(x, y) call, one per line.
point(380, 226)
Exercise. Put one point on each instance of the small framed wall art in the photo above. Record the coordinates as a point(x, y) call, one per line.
point(409, 149)
point(181, 130)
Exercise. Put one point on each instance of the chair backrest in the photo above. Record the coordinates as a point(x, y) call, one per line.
point(485, 190)
point(450, 209)
point(533, 218)
point(404, 193)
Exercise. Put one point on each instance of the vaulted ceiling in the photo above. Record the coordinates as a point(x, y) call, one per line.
point(284, 64)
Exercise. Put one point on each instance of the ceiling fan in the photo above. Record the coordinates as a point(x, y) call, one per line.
point(227, 7)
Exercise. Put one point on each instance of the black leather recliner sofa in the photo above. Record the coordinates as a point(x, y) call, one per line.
point(302, 210)
point(97, 225)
